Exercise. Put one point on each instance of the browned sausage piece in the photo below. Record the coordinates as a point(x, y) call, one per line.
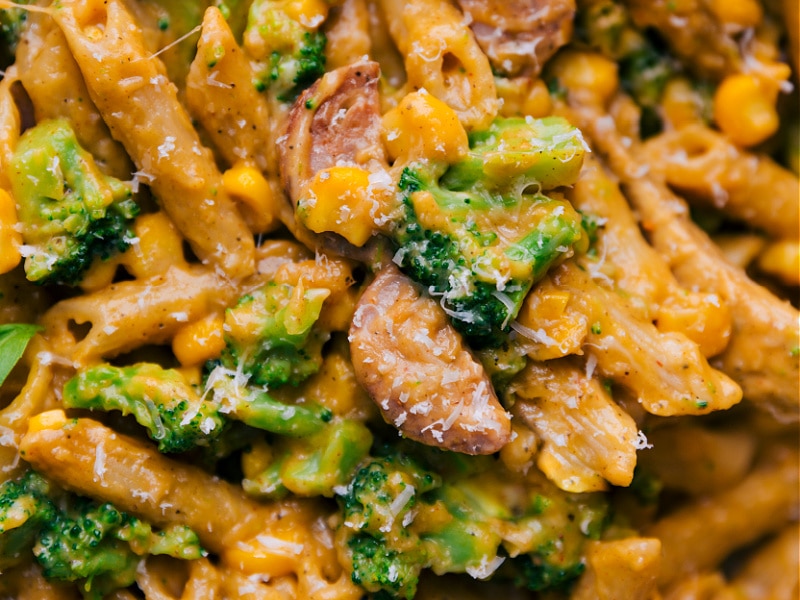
point(519, 36)
point(336, 121)
point(419, 372)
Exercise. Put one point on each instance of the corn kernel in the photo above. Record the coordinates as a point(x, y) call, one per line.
point(742, 13)
point(200, 341)
point(519, 454)
point(248, 186)
point(309, 13)
point(257, 459)
point(160, 246)
point(422, 126)
point(50, 419)
point(781, 259)
point(544, 311)
point(681, 103)
point(744, 109)
point(338, 200)
point(703, 318)
point(273, 554)
point(537, 102)
point(10, 238)
point(586, 73)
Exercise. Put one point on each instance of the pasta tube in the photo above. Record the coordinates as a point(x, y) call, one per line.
point(141, 108)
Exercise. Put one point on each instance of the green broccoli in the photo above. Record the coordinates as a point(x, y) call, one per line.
point(12, 20)
point(258, 409)
point(25, 506)
point(160, 399)
point(645, 66)
point(71, 213)
point(176, 415)
point(376, 506)
point(271, 336)
point(100, 547)
point(400, 516)
point(314, 465)
point(479, 233)
point(76, 539)
point(291, 52)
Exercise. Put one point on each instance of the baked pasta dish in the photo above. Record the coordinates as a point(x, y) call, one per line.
point(370, 299)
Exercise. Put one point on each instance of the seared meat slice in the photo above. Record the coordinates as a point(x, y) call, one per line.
point(334, 122)
point(419, 372)
point(519, 36)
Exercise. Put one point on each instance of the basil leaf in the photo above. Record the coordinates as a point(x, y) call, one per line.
point(14, 338)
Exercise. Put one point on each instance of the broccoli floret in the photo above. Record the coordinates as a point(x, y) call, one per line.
point(645, 64)
point(399, 516)
point(314, 465)
point(292, 50)
point(385, 554)
point(25, 506)
point(379, 569)
point(100, 547)
point(174, 412)
point(479, 233)
point(160, 399)
point(12, 20)
point(76, 539)
point(71, 213)
point(536, 573)
point(271, 336)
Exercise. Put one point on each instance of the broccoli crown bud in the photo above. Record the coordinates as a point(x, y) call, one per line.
point(314, 465)
point(24, 507)
point(12, 20)
point(71, 213)
point(382, 570)
point(478, 234)
point(161, 400)
point(270, 334)
point(100, 547)
point(293, 53)
point(399, 516)
point(76, 539)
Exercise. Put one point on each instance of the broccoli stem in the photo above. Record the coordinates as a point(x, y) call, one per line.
point(260, 410)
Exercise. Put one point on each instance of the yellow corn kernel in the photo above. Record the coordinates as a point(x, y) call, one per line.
point(10, 238)
point(338, 200)
point(257, 459)
point(200, 341)
point(519, 454)
point(703, 318)
point(681, 103)
point(742, 13)
point(160, 246)
point(248, 186)
point(309, 13)
point(586, 73)
point(100, 274)
point(422, 126)
point(537, 102)
point(274, 553)
point(744, 109)
point(781, 259)
point(50, 419)
point(544, 312)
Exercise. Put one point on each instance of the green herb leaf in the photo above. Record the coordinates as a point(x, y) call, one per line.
point(14, 338)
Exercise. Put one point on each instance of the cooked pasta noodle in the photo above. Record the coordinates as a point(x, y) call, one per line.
point(348, 299)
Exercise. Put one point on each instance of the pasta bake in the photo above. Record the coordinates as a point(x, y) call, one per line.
point(349, 299)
